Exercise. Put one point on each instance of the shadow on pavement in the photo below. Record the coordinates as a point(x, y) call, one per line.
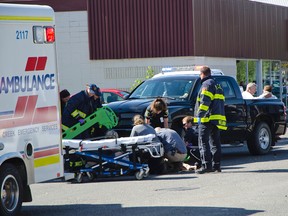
point(168, 176)
point(239, 155)
point(238, 170)
point(117, 209)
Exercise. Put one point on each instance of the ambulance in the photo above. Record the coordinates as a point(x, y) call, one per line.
point(30, 131)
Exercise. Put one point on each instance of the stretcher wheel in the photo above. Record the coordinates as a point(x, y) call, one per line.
point(79, 177)
point(146, 174)
point(90, 176)
point(139, 175)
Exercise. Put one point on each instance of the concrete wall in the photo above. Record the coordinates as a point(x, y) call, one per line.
point(76, 69)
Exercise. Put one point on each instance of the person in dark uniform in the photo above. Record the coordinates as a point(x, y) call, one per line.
point(191, 140)
point(157, 114)
point(210, 116)
point(80, 106)
point(64, 97)
point(191, 135)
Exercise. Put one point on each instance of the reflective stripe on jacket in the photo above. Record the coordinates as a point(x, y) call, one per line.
point(78, 114)
point(79, 106)
point(210, 104)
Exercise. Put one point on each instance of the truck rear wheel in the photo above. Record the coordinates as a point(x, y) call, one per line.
point(11, 190)
point(261, 140)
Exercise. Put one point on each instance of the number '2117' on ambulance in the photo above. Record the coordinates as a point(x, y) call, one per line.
point(30, 132)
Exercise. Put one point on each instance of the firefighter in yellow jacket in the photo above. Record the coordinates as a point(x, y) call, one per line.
point(210, 116)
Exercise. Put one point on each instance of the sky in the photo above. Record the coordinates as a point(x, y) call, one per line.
point(275, 2)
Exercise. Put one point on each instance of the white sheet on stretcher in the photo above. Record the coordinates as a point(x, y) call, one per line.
point(107, 143)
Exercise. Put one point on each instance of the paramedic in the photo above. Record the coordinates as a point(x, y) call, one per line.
point(210, 116)
point(174, 148)
point(64, 97)
point(80, 106)
point(157, 114)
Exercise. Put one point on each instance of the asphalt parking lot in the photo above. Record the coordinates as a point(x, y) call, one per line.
point(248, 185)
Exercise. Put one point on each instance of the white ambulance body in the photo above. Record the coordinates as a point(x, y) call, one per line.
point(30, 132)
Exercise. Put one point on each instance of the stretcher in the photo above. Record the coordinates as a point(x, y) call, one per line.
point(108, 157)
point(104, 116)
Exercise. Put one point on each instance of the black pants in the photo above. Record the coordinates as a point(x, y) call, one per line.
point(209, 145)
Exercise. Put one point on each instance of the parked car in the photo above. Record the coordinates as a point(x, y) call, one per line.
point(110, 95)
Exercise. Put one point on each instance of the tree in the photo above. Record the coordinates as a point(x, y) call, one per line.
point(241, 71)
point(149, 74)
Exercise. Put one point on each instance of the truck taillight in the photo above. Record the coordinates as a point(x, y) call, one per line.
point(50, 34)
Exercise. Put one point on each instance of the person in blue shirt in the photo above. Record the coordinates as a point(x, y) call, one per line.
point(174, 148)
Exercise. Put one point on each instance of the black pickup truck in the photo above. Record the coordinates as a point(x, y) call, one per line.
point(257, 122)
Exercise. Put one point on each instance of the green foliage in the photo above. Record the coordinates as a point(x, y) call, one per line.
point(149, 74)
point(135, 84)
point(267, 66)
point(284, 65)
point(241, 71)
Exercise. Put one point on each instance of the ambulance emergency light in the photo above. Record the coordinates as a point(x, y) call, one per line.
point(43, 34)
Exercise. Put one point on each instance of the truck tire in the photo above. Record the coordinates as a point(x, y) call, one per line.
point(11, 190)
point(261, 139)
point(178, 127)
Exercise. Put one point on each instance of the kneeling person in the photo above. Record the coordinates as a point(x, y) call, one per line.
point(174, 147)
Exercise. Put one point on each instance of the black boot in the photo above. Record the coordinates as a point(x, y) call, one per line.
point(216, 169)
point(204, 169)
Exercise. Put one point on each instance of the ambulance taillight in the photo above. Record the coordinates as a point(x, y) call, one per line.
point(44, 34)
point(50, 34)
